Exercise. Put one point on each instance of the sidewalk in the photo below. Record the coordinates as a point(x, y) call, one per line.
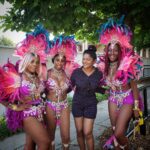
point(102, 122)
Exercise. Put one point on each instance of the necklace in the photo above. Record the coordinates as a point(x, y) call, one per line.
point(31, 77)
point(58, 72)
point(113, 64)
point(113, 67)
point(34, 84)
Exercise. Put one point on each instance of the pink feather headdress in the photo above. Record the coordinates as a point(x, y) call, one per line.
point(116, 36)
point(115, 31)
point(131, 65)
point(65, 45)
point(36, 42)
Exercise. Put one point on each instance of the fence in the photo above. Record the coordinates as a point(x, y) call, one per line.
point(146, 71)
point(145, 90)
point(145, 93)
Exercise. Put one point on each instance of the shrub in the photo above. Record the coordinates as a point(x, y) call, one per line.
point(4, 131)
point(69, 99)
point(101, 97)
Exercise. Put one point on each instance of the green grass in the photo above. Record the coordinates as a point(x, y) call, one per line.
point(4, 131)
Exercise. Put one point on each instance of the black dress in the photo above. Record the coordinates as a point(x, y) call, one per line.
point(84, 99)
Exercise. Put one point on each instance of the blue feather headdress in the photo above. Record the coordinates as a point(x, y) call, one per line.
point(115, 31)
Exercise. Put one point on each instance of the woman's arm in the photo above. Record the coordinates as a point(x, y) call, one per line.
point(136, 97)
point(16, 107)
point(72, 80)
point(100, 90)
point(69, 89)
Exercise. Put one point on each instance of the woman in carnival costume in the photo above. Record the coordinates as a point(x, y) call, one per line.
point(86, 81)
point(22, 87)
point(122, 67)
point(63, 54)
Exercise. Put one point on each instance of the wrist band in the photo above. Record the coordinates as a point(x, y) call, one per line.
point(136, 109)
point(13, 106)
point(136, 104)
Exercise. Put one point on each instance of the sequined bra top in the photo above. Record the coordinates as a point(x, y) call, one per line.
point(52, 85)
point(113, 82)
point(34, 90)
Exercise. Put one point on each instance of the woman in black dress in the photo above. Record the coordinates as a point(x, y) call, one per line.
point(86, 82)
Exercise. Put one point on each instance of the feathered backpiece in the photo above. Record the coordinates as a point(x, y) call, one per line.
point(36, 42)
point(10, 84)
point(65, 45)
point(115, 31)
point(131, 67)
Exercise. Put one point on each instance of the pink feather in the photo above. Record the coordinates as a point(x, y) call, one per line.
point(32, 44)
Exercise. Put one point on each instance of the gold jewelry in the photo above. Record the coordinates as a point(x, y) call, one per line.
point(136, 108)
point(114, 64)
point(13, 106)
point(29, 75)
point(58, 72)
point(112, 69)
point(136, 105)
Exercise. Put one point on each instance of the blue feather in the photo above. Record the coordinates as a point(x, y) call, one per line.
point(111, 23)
point(39, 29)
point(62, 39)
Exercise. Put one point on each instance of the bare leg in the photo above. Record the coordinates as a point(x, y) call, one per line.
point(80, 134)
point(30, 144)
point(112, 107)
point(37, 132)
point(65, 128)
point(88, 133)
point(51, 122)
point(123, 119)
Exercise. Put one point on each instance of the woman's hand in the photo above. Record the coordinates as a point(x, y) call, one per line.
point(20, 107)
point(107, 91)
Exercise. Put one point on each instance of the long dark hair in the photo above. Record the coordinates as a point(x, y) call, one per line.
point(91, 51)
point(107, 61)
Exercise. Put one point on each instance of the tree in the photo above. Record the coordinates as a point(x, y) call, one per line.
point(6, 42)
point(79, 17)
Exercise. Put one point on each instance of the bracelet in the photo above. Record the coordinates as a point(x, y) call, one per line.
point(136, 104)
point(136, 100)
point(136, 109)
point(13, 106)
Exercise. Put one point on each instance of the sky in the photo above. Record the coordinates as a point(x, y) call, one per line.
point(14, 36)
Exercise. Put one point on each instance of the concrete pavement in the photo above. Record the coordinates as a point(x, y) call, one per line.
point(102, 122)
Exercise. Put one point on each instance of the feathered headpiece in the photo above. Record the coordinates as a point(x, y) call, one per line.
point(131, 65)
point(115, 31)
point(65, 45)
point(36, 42)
